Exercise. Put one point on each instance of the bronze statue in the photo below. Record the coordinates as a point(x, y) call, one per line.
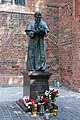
point(37, 30)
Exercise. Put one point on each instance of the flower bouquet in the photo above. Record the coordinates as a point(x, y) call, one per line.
point(42, 104)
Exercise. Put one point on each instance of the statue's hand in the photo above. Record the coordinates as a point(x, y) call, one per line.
point(31, 34)
point(42, 31)
point(36, 32)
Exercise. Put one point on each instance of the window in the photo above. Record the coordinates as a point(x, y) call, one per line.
point(14, 2)
point(19, 2)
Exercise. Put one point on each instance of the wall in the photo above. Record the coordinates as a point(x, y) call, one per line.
point(69, 45)
point(50, 12)
point(13, 43)
point(65, 43)
point(63, 58)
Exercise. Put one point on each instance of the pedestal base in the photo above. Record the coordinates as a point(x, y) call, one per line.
point(21, 104)
point(26, 84)
point(37, 82)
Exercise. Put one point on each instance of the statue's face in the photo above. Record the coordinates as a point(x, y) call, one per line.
point(38, 18)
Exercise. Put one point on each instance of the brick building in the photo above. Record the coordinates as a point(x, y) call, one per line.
point(62, 17)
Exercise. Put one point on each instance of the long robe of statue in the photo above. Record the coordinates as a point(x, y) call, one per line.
point(37, 30)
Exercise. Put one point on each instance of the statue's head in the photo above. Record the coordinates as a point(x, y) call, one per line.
point(38, 16)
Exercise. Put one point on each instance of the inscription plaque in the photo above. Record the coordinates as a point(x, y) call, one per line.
point(39, 83)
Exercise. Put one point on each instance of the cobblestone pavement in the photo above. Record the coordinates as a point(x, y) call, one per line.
point(68, 103)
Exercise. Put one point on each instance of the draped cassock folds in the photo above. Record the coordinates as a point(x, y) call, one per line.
point(36, 59)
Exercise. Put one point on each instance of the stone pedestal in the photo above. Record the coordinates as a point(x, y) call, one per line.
point(35, 83)
point(26, 84)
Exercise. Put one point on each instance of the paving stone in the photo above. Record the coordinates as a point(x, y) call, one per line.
point(2, 118)
point(17, 119)
point(8, 118)
point(25, 118)
point(69, 106)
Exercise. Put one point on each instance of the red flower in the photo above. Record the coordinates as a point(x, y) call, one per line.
point(27, 100)
point(45, 100)
point(33, 101)
point(56, 92)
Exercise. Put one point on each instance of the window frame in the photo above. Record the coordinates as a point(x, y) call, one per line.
point(13, 2)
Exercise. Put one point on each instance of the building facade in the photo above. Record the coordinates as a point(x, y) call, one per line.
point(63, 46)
